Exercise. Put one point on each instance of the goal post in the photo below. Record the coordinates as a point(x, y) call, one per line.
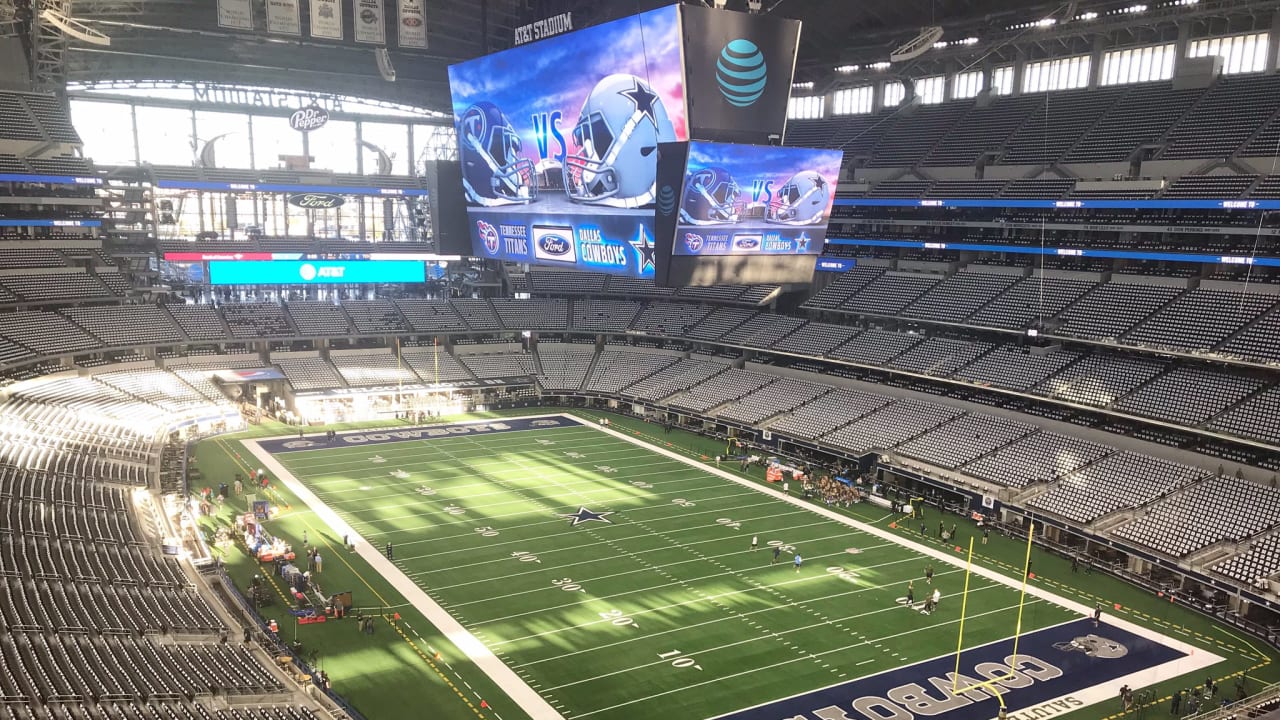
point(992, 684)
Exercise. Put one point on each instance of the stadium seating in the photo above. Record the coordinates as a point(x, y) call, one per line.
point(772, 399)
point(319, 318)
point(680, 376)
point(1037, 458)
point(719, 389)
point(964, 439)
point(1219, 508)
point(825, 414)
point(1224, 119)
point(307, 372)
point(889, 426)
point(1119, 481)
point(618, 367)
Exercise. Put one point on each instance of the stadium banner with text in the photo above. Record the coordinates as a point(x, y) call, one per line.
point(283, 17)
point(314, 272)
point(49, 179)
point(1096, 204)
point(835, 264)
point(411, 18)
point(738, 70)
point(326, 19)
point(48, 222)
point(235, 14)
point(370, 21)
point(1062, 252)
point(558, 143)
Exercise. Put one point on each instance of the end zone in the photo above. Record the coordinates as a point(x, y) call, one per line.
point(1057, 670)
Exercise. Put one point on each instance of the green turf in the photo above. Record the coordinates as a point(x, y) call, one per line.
point(686, 582)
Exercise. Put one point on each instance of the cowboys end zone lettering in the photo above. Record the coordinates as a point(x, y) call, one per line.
point(317, 440)
point(1050, 676)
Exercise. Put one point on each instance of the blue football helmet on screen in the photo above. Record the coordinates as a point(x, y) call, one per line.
point(802, 201)
point(493, 171)
point(710, 198)
point(615, 156)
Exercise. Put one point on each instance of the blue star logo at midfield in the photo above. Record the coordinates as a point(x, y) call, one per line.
point(644, 249)
point(585, 515)
point(802, 242)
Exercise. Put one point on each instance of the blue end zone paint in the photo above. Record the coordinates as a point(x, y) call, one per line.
point(1051, 663)
point(361, 438)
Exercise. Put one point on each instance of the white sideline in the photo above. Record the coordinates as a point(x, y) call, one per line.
point(504, 677)
point(538, 708)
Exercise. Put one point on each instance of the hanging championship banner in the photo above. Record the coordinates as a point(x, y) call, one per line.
point(283, 17)
point(371, 26)
point(326, 19)
point(412, 23)
point(235, 14)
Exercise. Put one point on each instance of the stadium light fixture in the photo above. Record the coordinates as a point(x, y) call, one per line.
point(385, 68)
point(807, 85)
point(917, 46)
point(1135, 9)
point(1046, 22)
point(846, 69)
point(882, 65)
point(74, 28)
point(1088, 16)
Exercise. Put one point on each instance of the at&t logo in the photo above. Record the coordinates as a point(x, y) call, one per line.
point(741, 72)
point(666, 200)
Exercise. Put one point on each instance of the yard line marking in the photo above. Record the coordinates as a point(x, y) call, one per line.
point(766, 631)
point(429, 500)
point(711, 598)
point(693, 601)
point(845, 648)
point(526, 541)
point(647, 569)
point(402, 482)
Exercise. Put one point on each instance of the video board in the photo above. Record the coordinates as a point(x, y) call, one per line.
point(755, 200)
point(315, 272)
point(558, 143)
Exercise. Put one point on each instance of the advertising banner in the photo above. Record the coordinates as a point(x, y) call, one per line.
point(315, 272)
point(738, 68)
point(283, 17)
point(235, 14)
point(412, 22)
point(326, 19)
point(370, 21)
point(560, 167)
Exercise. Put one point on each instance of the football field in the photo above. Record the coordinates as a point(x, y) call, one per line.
point(609, 578)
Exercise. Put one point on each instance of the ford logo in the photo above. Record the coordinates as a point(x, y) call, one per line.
point(312, 117)
point(316, 201)
point(554, 245)
point(746, 243)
